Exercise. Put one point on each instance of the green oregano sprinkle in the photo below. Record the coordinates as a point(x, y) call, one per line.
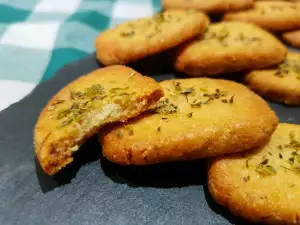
point(166, 107)
point(265, 170)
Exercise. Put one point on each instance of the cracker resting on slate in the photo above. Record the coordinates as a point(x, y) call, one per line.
point(78, 110)
point(280, 0)
point(262, 185)
point(197, 118)
point(212, 6)
point(134, 40)
point(271, 15)
point(229, 47)
point(281, 84)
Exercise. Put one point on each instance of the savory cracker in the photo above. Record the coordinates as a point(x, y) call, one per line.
point(281, 84)
point(134, 40)
point(293, 38)
point(196, 118)
point(229, 47)
point(77, 111)
point(212, 6)
point(271, 15)
point(280, 0)
point(264, 184)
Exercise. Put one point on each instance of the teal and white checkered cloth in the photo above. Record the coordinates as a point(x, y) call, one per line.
point(38, 37)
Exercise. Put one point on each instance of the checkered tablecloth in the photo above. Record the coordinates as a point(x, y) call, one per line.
point(38, 37)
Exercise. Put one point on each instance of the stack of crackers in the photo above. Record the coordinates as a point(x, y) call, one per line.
point(253, 162)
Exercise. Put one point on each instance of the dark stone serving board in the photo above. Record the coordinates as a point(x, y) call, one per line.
point(92, 190)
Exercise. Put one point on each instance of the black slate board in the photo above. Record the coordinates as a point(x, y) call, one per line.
point(92, 190)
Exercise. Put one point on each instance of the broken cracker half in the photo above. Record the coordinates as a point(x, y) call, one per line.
point(81, 108)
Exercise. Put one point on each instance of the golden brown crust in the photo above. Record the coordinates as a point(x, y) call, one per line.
point(261, 186)
point(281, 84)
point(134, 40)
point(78, 110)
point(229, 47)
point(280, 0)
point(292, 37)
point(220, 117)
point(212, 6)
point(271, 15)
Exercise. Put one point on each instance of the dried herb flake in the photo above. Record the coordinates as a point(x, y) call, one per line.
point(130, 133)
point(159, 18)
point(246, 179)
point(165, 107)
point(127, 33)
point(247, 163)
point(264, 162)
point(231, 99)
point(190, 114)
point(265, 170)
point(187, 91)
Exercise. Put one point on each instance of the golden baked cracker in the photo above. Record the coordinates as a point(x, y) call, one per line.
point(281, 84)
point(212, 6)
point(229, 47)
point(77, 111)
point(293, 38)
point(281, 0)
point(134, 40)
point(271, 15)
point(197, 118)
point(263, 185)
